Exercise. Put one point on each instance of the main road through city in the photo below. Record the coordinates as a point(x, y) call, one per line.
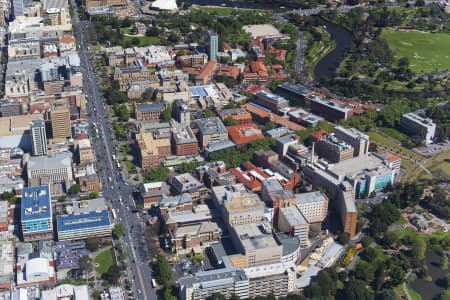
point(117, 193)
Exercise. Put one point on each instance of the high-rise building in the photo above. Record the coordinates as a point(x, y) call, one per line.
point(36, 213)
point(16, 8)
point(38, 138)
point(60, 120)
point(213, 45)
point(358, 140)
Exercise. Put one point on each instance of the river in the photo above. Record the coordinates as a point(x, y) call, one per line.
point(327, 66)
point(430, 290)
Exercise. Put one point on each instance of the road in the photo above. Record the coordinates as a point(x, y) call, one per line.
point(117, 193)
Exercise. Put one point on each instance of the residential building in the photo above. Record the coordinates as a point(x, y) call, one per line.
point(313, 206)
point(226, 281)
point(213, 45)
point(413, 124)
point(240, 115)
point(79, 226)
point(273, 102)
point(36, 213)
point(330, 110)
point(211, 130)
point(352, 136)
point(60, 121)
point(149, 112)
point(244, 134)
point(151, 193)
point(38, 138)
point(186, 183)
point(185, 239)
point(333, 149)
point(184, 142)
point(151, 150)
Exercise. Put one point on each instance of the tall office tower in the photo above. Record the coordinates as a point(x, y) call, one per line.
point(16, 8)
point(38, 138)
point(213, 45)
point(60, 120)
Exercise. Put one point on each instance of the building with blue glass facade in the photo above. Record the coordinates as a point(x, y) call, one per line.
point(213, 46)
point(83, 225)
point(36, 213)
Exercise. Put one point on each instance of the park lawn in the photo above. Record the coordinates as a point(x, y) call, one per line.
point(104, 260)
point(383, 139)
point(411, 233)
point(393, 133)
point(143, 40)
point(130, 166)
point(439, 165)
point(426, 51)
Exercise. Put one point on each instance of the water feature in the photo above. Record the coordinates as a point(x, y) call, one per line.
point(430, 290)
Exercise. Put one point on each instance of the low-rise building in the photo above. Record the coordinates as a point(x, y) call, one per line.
point(186, 183)
point(244, 134)
point(330, 110)
point(184, 239)
point(184, 142)
point(67, 257)
point(273, 102)
point(84, 225)
point(151, 193)
point(240, 115)
point(35, 268)
point(149, 112)
point(174, 204)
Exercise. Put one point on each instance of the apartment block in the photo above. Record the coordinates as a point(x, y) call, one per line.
point(352, 136)
point(36, 213)
point(333, 149)
point(151, 150)
point(413, 124)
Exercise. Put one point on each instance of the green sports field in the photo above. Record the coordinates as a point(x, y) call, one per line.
point(425, 51)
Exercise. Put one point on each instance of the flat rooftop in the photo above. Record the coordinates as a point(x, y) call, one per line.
point(293, 216)
point(253, 237)
point(260, 30)
point(35, 203)
point(243, 202)
point(357, 165)
point(310, 197)
point(82, 221)
point(211, 126)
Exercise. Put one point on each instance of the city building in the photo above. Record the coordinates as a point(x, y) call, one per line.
point(151, 193)
point(211, 130)
point(291, 221)
point(86, 153)
point(173, 204)
point(346, 207)
point(277, 132)
point(226, 281)
point(36, 213)
point(151, 150)
point(313, 206)
point(244, 134)
point(184, 142)
point(10, 108)
point(256, 245)
point(276, 196)
point(195, 237)
point(330, 110)
point(181, 111)
point(66, 291)
point(242, 208)
point(271, 101)
point(413, 124)
point(277, 279)
point(149, 112)
point(198, 214)
point(79, 226)
point(294, 92)
point(186, 183)
point(55, 170)
point(333, 149)
point(213, 45)
point(240, 115)
point(35, 267)
point(67, 256)
point(283, 143)
point(38, 138)
point(303, 117)
point(392, 161)
point(352, 136)
point(17, 8)
point(60, 121)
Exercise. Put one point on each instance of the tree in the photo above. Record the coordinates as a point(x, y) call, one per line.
point(443, 264)
point(188, 167)
point(75, 189)
point(419, 248)
point(229, 121)
point(168, 293)
point(343, 238)
point(9, 196)
point(62, 198)
point(152, 31)
point(163, 271)
point(356, 290)
point(166, 114)
point(93, 195)
point(86, 264)
point(208, 113)
point(92, 244)
point(119, 230)
point(157, 174)
point(364, 271)
point(366, 241)
point(113, 274)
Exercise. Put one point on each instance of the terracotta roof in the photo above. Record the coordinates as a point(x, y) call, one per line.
point(243, 134)
point(393, 158)
point(67, 40)
point(318, 134)
point(208, 69)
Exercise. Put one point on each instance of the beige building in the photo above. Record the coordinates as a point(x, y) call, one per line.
point(358, 140)
point(333, 149)
point(256, 244)
point(291, 221)
point(243, 208)
point(60, 120)
point(313, 206)
point(85, 152)
point(211, 130)
point(193, 237)
point(151, 150)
